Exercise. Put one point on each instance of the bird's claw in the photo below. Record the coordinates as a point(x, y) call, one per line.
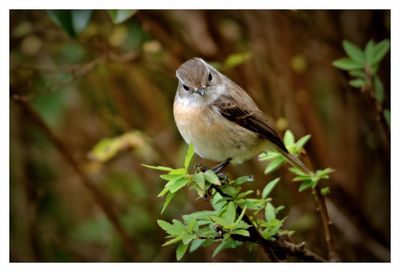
point(198, 168)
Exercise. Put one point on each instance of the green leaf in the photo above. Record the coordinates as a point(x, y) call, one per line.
point(358, 74)
point(269, 156)
point(179, 171)
point(305, 185)
point(369, 51)
point(226, 243)
point(179, 225)
point(169, 177)
point(212, 177)
point(170, 196)
point(163, 192)
point(244, 194)
point(196, 243)
point(167, 227)
point(278, 209)
point(218, 202)
point(218, 220)
point(63, 19)
point(119, 16)
point(242, 225)
point(71, 21)
point(242, 232)
point(230, 213)
point(347, 64)
point(269, 187)
point(199, 192)
point(80, 19)
point(357, 83)
point(191, 225)
point(302, 141)
point(180, 251)
point(241, 215)
point(379, 90)
point(288, 138)
point(386, 114)
point(325, 191)
point(198, 179)
point(173, 241)
point(199, 215)
point(324, 172)
point(189, 156)
point(237, 59)
point(231, 190)
point(220, 247)
point(270, 212)
point(160, 168)
point(254, 203)
point(274, 164)
point(177, 184)
point(242, 180)
point(301, 178)
point(354, 52)
point(187, 238)
point(380, 50)
point(298, 172)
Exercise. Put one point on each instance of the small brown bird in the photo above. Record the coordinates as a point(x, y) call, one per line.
point(220, 119)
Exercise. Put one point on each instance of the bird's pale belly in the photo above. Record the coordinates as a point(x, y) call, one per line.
point(213, 136)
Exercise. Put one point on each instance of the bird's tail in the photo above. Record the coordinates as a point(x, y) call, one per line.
point(295, 162)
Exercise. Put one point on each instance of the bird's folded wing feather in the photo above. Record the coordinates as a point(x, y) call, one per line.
point(251, 120)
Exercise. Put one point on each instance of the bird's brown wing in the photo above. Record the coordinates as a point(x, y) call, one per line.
point(251, 120)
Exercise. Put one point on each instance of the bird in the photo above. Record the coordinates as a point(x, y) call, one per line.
point(220, 119)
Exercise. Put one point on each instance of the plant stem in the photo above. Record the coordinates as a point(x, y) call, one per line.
point(327, 224)
point(333, 255)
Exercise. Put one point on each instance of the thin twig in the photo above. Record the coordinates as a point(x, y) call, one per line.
point(327, 224)
point(326, 221)
point(97, 194)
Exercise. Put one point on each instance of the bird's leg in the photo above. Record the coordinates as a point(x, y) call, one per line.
point(218, 168)
point(200, 168)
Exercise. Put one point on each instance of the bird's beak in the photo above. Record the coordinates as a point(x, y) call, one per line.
point(200, 91)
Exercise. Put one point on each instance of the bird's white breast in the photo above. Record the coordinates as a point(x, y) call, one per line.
point(213, 136)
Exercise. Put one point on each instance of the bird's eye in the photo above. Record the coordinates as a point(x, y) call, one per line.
point(186, 87)
point(209, 77)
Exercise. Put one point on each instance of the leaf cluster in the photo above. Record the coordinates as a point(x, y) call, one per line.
point(229, 218)
point(276, 159)
point(362, 65)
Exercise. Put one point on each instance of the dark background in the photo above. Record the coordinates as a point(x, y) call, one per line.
point(116, 78)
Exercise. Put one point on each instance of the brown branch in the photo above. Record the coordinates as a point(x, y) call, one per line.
point(369, 91)
point(326, 221)
point(327, 224)
point(277, 249)
point(104, 203)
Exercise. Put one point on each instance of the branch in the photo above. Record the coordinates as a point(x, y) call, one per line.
point(97, 194)
point(277, 249)
point(327, 224)
point(326, 221)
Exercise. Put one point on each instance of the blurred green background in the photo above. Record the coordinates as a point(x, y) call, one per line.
point(94, 90)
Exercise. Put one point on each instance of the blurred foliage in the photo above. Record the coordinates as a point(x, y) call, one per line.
point(104, 83)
